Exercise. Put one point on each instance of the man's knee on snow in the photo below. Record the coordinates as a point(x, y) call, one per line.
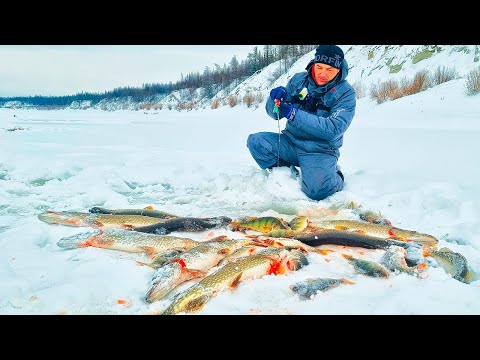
point(254, 141)
point(319, 190)
point(258, 147)
point(319, 193)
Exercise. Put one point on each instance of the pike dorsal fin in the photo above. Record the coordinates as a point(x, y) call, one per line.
point(236, 281)
point(149, 250)
point(196, 304)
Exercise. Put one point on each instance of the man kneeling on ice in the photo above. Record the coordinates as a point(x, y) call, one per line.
point(319, 105)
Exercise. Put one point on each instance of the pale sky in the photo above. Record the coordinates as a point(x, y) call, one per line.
point(27, 70)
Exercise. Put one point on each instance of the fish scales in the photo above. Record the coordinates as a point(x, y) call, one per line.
point(272, 261)
point(98, 221)
point(128, 241)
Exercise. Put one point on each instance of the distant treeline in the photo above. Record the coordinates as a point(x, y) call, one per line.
point(212, 79)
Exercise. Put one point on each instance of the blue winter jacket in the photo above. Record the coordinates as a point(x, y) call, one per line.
point(323, 116)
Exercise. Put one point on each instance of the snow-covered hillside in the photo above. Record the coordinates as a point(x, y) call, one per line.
point(374, 63)
point(368, 64)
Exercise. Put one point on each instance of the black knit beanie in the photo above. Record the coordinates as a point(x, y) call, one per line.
point(330, 55)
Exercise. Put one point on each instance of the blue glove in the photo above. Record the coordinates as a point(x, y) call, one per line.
point(278, 93)
point(287, 111)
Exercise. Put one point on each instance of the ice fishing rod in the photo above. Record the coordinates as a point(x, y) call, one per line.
point(302, 95)
point(275, 110)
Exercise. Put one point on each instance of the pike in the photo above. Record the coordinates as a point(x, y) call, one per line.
point(376, 230)
point(248, 250)
point(256, 249)
point(97, 221)
point(266, 241)
point(282, 242)
point(191, 264)
point(275, 261)
point(128, 241)
point(146, 211)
